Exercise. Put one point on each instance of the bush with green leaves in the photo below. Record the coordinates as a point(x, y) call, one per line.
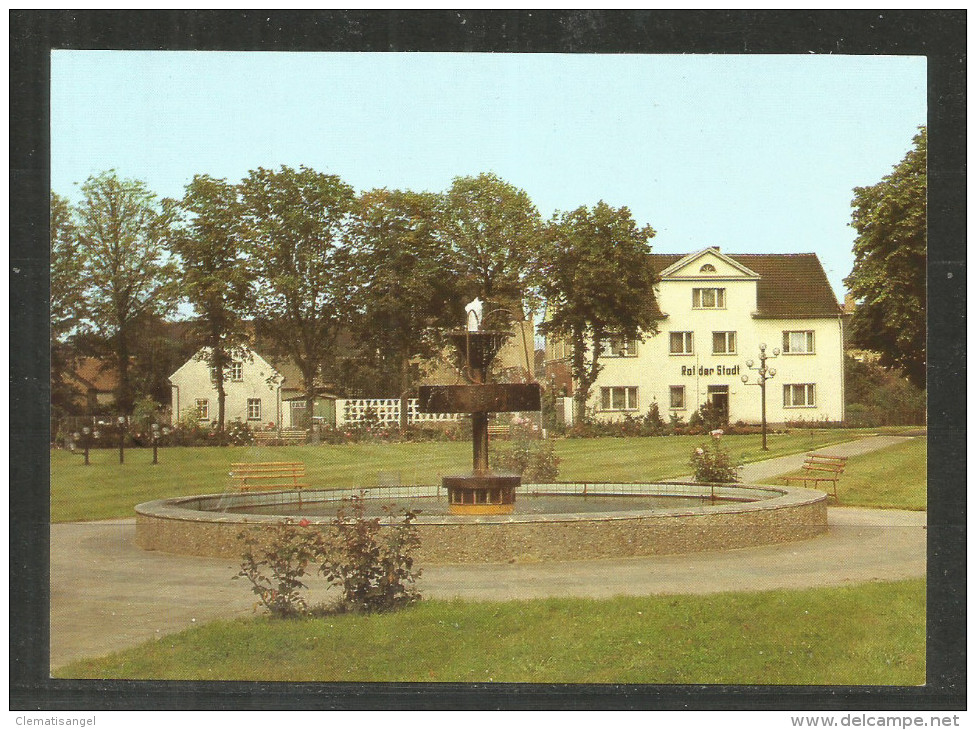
point(373, 566)
point(713, 464)
point(276, 566)
point(371, 563)
point(533, 460)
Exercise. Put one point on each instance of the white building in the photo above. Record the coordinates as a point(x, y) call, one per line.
point(714, 312)
point(258, 393)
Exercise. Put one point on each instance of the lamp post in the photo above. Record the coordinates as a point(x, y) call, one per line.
point(121, 421)
point(156, 434)
point(763, 373)
point(86, 432)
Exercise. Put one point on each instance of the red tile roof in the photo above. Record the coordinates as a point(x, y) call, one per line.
point(790, 285)
point(95, 374)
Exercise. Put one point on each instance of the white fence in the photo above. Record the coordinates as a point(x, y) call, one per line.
point(353, 412)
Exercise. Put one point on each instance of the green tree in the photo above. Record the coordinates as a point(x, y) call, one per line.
point(128, 274)
point(295, 222)
point(405, 291)
point(493, 229)
point(215, 274)
point(888, 278)
point(67, 297)
point(597, 284)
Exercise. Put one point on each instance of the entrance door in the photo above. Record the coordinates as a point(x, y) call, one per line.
point(299, 415)
point(718, 395)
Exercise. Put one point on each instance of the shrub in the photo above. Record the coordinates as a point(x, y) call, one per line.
point(372, 565)
point(286, 553)
point(533, 460)
point(713, 464)
point(373, 568)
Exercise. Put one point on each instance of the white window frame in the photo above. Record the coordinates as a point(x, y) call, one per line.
point(809, 344)
point(203, 409)
point(729, 339)
point(672, 389)
point(698, 298)
point(236, 371)
point(809, 395)
point(687, 343)
point(629, 397)
point(620, 347)
point(251, 403)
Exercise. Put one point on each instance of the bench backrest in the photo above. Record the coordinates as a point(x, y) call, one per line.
point(268, 467)
point(825, 462)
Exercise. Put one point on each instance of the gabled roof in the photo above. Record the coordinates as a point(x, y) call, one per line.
point(95, 374)
point(789, 285)
point(690, 258)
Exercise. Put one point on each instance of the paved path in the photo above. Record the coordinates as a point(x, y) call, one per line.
point(107, 594)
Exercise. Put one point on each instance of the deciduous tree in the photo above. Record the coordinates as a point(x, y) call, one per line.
point(67, 296)
point(295, 224)
point(405, 290)
point(127, 271)
point(215, 274)
point(493, 229)
point(597, 282)
point(888, 278)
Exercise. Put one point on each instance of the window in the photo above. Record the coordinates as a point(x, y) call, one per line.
point(723, 343)
point(203, 409)
point(618, 399)
point(677, 397)
point(254, 409)
point(799, 396)
point(707, 269)
point(798, 343)
point(681, 343)
point(237, 371)
point(620, 347)
point(708, 298)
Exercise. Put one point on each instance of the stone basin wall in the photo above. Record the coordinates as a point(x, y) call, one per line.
point(190, 526)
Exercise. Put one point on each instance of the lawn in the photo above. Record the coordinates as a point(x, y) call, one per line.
point(894, 477)
point(870, 634)
point(106, 489)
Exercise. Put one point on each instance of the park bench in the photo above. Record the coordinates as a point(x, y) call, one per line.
point(287, 436)
point(269, 475)
point(502, 431)
point(819, 468)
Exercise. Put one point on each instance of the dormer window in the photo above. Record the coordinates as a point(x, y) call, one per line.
point(708, 298)
point(707, 269)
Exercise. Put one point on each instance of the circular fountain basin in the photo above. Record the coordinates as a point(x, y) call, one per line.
point(551, 521)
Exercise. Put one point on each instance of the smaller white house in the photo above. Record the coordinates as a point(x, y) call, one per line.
point(258, 392)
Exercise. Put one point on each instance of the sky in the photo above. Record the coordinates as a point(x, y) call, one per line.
point(751, 153)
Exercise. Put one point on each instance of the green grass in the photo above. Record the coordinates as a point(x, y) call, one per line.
point(871, 634)
point(894, 477)
point(106, 489)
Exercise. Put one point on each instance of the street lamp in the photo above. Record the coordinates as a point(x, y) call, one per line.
point(764, 373)
point(87, 441)
point(121, 421)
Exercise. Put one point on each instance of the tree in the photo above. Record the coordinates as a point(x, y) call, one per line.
point(493, 229)
point(405, 291)
point(127, 272)
point(597, 284)
point(215, 275)
point(67, 296)
point(294, 223)
point(888, 278)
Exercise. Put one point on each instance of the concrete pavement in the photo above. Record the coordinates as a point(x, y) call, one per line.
point(107, 594)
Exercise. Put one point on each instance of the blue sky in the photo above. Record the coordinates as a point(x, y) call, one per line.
point(751, 153)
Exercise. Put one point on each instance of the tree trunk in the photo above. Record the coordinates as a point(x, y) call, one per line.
point(404, 392)
point(124, 397)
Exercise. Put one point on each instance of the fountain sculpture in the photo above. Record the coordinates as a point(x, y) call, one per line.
point(482, 492)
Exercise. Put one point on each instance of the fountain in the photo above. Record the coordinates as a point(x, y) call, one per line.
point(481, 492)
point(556, 521)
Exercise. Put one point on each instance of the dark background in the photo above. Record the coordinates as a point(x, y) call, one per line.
point(939, 35)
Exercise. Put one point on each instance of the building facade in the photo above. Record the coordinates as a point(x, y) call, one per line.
point(714, 311)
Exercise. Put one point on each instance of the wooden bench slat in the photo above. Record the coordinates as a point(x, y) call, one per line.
point(276, 471)
point(821, 468)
